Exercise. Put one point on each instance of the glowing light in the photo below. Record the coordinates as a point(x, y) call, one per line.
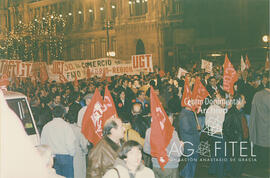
point(60, 15)
point(265, 38)
point(79, 12)
point(113, 6)
point(70, 14)
point(101, 8)
point(90, 10)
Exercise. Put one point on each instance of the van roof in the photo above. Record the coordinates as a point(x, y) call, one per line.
point(13, 94)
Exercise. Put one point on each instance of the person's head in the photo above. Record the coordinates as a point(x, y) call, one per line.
point(265, 79)
point(53, 88)
point(125, 82)
point(57, 98)
point(131, 153)
point(46, 154)
point(136, 84)
point(35, 101)
point(212, 81)
point(76, 96)
point(207, 76)
point(113, 128)
point(239, 101)
point(136, 109)
point(219, 99)
point(91, 88)
point(141, 95)
point(122, 94)
point(58, 111)
point(153, 83)
point(88, 98)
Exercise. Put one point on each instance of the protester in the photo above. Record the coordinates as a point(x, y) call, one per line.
point(214, 119)
point(129, 164)
point(189, 133)
point(233, 132)
point(174, 151)
point(81, 112)
point(122, 106)
point(75, 106)
point(260, 124)
point(145, 104)
point(101, 158)
point(81, 150)
point(59, 135)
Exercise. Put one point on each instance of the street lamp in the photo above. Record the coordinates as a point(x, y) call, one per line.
point(108, 26)
point(265, 38)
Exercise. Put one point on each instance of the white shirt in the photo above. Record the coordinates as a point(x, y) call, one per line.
point(214, 118)
point(80, 116)
point(59, 135)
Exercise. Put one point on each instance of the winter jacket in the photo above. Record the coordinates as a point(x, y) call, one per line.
point(101, 158)
point(120, 166)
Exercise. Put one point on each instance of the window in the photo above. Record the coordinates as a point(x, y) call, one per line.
point(113, 12)
point(20, 107)
point(92, 49)
point(113, 48)
point(91, 17)
point(102, 14)
point(138, 7)
point(103, 48)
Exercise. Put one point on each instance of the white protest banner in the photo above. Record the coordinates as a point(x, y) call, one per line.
point(142, 63)
point(15, 68)
point(181, 72)
point(67, 70)
point(207, 66)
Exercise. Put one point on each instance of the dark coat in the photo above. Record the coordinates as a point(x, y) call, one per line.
point(188, 130)
point(232, 125)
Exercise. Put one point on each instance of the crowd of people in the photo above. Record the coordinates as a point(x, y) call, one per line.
point(124, 150)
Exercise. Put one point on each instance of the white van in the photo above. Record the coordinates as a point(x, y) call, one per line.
point(19, 104)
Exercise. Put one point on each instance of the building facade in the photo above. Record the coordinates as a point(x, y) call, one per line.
point(94, 27)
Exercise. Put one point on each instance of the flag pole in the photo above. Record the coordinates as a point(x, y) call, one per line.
point(197, 121)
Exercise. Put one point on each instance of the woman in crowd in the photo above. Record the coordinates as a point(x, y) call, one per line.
point(233, 132)
point(129, 163)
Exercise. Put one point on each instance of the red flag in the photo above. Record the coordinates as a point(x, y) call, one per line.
point(199, 93)
point(267, 65)
point(43, 73)
point(4, 81)
point(229, 76)
point(161, 130)
point(76, 83)
point(186, 95)
point(92, 119)
point(110, 110)
point(247, 62)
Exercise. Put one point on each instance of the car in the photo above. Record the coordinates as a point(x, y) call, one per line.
point(19, 104)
